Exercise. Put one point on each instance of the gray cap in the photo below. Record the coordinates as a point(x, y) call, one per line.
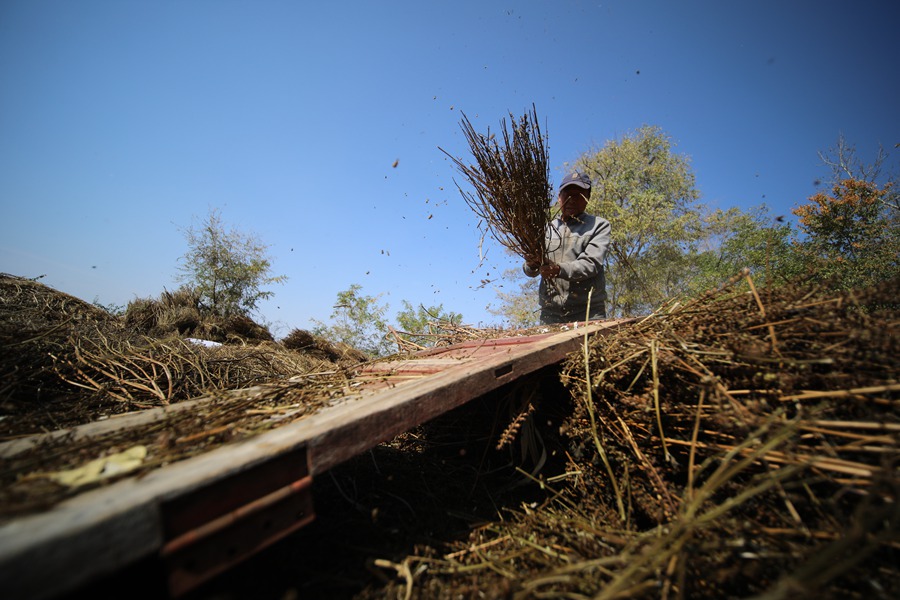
point(575, 178)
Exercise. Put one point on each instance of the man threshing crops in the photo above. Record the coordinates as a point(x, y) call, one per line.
point(513, 197)
point(573, 283)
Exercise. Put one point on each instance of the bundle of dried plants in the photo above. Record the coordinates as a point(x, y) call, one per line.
point(511, 180)
point(153, 372)
point(35, 322)
point(221, 417)
point(180, 313)
point(316, 346)
point(743, 444)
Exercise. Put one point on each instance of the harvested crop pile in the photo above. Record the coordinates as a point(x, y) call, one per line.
point(743, 444)
point(317, 347)
point(36, 324)
point(64, 362)
point(181, 313)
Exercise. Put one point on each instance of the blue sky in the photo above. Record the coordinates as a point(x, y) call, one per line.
point(123, 122)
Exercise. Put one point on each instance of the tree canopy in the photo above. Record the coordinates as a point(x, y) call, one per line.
point(736, 240)
point(648, 193)
point(357, 320)
point(666, 243)
point(852, 235)
point(227, 268)
point(361, 321)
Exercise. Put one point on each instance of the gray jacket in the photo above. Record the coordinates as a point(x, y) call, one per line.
point(579, 248)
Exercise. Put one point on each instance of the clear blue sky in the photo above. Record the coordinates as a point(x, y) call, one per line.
point(121, 122)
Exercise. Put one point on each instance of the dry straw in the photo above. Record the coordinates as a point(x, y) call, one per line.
point(759, 458)
point(511, 180)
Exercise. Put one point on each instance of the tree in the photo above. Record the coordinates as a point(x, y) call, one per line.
point(852, 235)
point(358, 321)
point(754, 240)
point(226, 268)
point(648, 193)
point(423, 325)
point(520, 309)
point(844, 164)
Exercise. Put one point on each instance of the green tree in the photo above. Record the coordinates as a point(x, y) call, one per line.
point(358, 321)
point(736, 240)
point(852, 235)
point(423, 325)
point(226, 268)
point(519, 309)
point(649, 195)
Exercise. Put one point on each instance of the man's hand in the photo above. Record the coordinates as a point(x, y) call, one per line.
point(547, 269)
point(532, 262)
point(550, 270)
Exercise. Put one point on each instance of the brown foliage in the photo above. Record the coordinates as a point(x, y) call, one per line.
point(64, 361)
point(744, 443)
point(511, 181)
point(36, 323)
point(313, 345)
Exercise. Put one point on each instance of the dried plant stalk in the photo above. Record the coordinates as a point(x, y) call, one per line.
point(145, 373)
point(512, 192)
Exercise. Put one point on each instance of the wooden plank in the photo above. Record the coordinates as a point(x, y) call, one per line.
point(100, 531)
point(339, 434)
point(422, 366)
point(114, 423)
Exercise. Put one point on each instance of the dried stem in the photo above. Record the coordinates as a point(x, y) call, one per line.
point(512, 192)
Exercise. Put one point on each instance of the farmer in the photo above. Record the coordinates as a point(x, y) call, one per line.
point(576, 248)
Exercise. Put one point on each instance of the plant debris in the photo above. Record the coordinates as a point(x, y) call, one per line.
point(741, 444)
point(513, 196)
point(104, 369)
point(64, 362)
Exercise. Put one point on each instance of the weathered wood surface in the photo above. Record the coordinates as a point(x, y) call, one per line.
point(114, 423)
point(105, 529)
